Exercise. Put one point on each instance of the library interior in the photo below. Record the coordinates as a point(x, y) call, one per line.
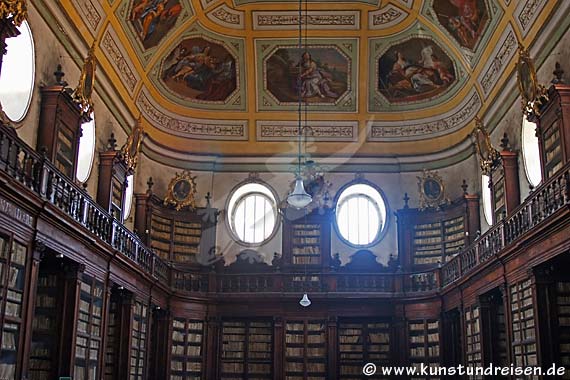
point(223, 189)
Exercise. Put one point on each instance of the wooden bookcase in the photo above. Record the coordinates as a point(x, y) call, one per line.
point(13, 258)
point(139, 329)
point(305, 350)
point(60, 128)
point(113, 338)
point(524, 344)
point(553, 130)
point(176, 236)
point(473, 348)
point(563, 322)
point(89, 329)
point(246, 350)
point(504, 183)
point(431, 236)
point(362, 342)
point(186, 360)
point(306, 240)
point(424, 343)
point(112, 186)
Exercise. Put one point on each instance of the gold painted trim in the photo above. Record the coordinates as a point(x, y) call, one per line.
point(14, 11)
point(429, 199)
point(84, 91)
point(488, 155)
point(187, 198)
point(130, 151)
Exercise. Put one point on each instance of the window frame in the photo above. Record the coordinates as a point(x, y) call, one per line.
point(230, 218)
point(385, 224)
point(26, 109)
point(89, 171)
point(524, 147)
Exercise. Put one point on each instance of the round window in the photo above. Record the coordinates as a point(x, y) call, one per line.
point(17, 77)
point(360, 215)
point(531, 152)
point(252, 213)
point(86, 150)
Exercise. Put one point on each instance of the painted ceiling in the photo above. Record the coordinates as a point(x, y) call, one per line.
point(396, 78)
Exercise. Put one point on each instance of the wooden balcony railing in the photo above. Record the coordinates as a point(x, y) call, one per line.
point(41, 177)
point(542, 203)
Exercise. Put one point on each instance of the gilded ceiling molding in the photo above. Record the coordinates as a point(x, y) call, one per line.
point(204, 129)
point(386, 17)
point(277, 64)
point(375, 3)
point(227, 17)
point(407, 3)
point(147, 28)
point(118, 57)
point(320, 131)
point(93, 13)
point(314, 20)
point(527, 12)
point(498, 61)
point(446, 123)
point(206, 3)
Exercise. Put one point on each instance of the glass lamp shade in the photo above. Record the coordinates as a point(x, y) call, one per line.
point(305, 301)
point(299, 197)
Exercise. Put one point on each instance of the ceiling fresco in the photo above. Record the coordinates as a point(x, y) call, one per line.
point(379, 74)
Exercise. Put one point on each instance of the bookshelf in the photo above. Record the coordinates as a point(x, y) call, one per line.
point(306, 244)
point(423, 344)
point(524, 346)
point(139, 329)
point(176, 236)
point(113, 337)
point(552, 149)
point(430, 236)
point(359, 343)
point(89, 329)
point(305, 350)
point(473, 349)
point(306, 240)
point(186, 356)
point(246, 350)
point(13, 256)
point(45, 326)
point(563, 319)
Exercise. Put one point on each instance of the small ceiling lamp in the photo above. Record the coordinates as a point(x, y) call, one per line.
point(305, 301)
point(299, 198)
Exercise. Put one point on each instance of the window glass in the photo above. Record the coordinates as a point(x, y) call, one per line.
point(86, 150)
point(486, 197)
point(17, 76)
point(252, 213)
point(360, 215)
point(129, 196)
point(531, 153)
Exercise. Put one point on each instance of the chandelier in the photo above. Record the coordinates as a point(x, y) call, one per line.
point(299, 198)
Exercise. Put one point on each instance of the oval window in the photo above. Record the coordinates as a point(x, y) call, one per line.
point(531, 152)
point(360, 215)
point(86, 150)
point(252, 213)
point(486, 198)
point(17, 76)
point(129, 196)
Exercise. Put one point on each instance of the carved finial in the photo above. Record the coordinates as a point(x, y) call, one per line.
point(208, 197)
point(406, 200)
point(558, 73)
point(505, 142)
point(59, 76)
point(112, 142)
point(464, 186)
point(149, 185)
point(84, 186)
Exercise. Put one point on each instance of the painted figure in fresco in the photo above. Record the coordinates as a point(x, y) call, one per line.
point(147, 15)
point(313, 80)
point(428, 73)
point(464, 19)
point(200, 70)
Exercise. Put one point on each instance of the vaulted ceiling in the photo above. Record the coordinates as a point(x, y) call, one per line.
point(382, 78)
